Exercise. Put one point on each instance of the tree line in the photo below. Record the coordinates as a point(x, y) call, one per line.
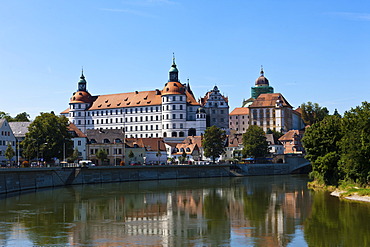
point(339, 147)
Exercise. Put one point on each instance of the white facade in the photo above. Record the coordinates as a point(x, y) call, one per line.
point(170, 112)
point(6, 137)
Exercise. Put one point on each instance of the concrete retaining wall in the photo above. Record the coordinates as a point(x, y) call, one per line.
point(12, 180)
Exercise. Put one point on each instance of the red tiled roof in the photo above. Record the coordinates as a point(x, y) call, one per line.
point(240, 111)
point(269, 100)
point(132, 99)
point(72, 127)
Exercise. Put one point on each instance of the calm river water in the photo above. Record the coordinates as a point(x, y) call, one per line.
point(248, 211)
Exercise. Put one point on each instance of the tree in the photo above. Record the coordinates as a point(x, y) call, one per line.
point(355, 145)
point(74, 155)
point(6, 116)
point(313, 112)
point(101, 155)
point(255, 143)
point(183, 157)
point(21, 117)
point(159, 154)
point(131, 155)
point(9, 152)
point(46, 137)
point(321, 143)
point(214, 142)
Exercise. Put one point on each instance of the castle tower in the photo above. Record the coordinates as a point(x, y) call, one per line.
point(79, 102)
point(174, 105)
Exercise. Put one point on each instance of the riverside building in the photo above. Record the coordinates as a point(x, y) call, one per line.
point(172, 112)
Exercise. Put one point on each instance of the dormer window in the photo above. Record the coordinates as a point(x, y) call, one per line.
point(106, 141)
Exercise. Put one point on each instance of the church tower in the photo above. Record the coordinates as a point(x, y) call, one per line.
point(261, 86)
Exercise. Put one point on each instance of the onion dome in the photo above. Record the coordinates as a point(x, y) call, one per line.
point(173, 88)
point(81, 97)
point(262, 80)
point(201, 110)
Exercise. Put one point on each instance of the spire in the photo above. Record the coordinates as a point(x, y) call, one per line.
point(82, 82)
point(82, 73)
point(173, 73)
point(262, 73)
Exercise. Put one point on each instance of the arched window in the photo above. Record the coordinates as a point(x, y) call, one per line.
point(174, 134)
point(181, 134)
point(106, 141)
point(164, 134)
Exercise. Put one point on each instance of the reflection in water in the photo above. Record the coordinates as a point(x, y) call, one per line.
point(254, 211)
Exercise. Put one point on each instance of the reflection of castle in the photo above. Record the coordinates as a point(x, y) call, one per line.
point(171, 213)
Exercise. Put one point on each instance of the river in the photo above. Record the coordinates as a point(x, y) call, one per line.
point(243, 211)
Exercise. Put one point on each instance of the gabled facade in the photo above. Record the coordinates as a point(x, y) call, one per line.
point(292, 142)
point(170, 112)
point(79, 141)
point(216, 107)
point(19, 130)
point(6, 137)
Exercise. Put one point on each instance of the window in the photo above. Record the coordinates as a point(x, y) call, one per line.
point(181, 116)
point(174, 126)
point(173, 107)
point(180, 107)
point(106, 141)
point(174, 98)
point(173, 116)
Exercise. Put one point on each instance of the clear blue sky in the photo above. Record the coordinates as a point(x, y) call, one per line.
point(311, 50)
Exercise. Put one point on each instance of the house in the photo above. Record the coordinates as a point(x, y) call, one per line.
point(19, 130)
point(292, 142)
point(276, 147)
point(79, 141)
point(154, 149)
point(109, 140)
point(6, 138)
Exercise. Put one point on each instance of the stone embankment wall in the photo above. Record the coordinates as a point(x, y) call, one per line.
point(12, 180)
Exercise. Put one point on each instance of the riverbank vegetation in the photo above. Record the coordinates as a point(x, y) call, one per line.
point(339, 150)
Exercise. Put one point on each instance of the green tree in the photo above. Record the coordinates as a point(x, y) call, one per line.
point(74, 155)
point(183, 157)
point(46, 137)
point(21, 117)
point(6, 116)
point(313, 112)
point(9, 152)
point(321, 143)
point(131, 155)
point(255, 143)
point(355, 144)
point(101, 155)
point(159, 154)
point(214, 142)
